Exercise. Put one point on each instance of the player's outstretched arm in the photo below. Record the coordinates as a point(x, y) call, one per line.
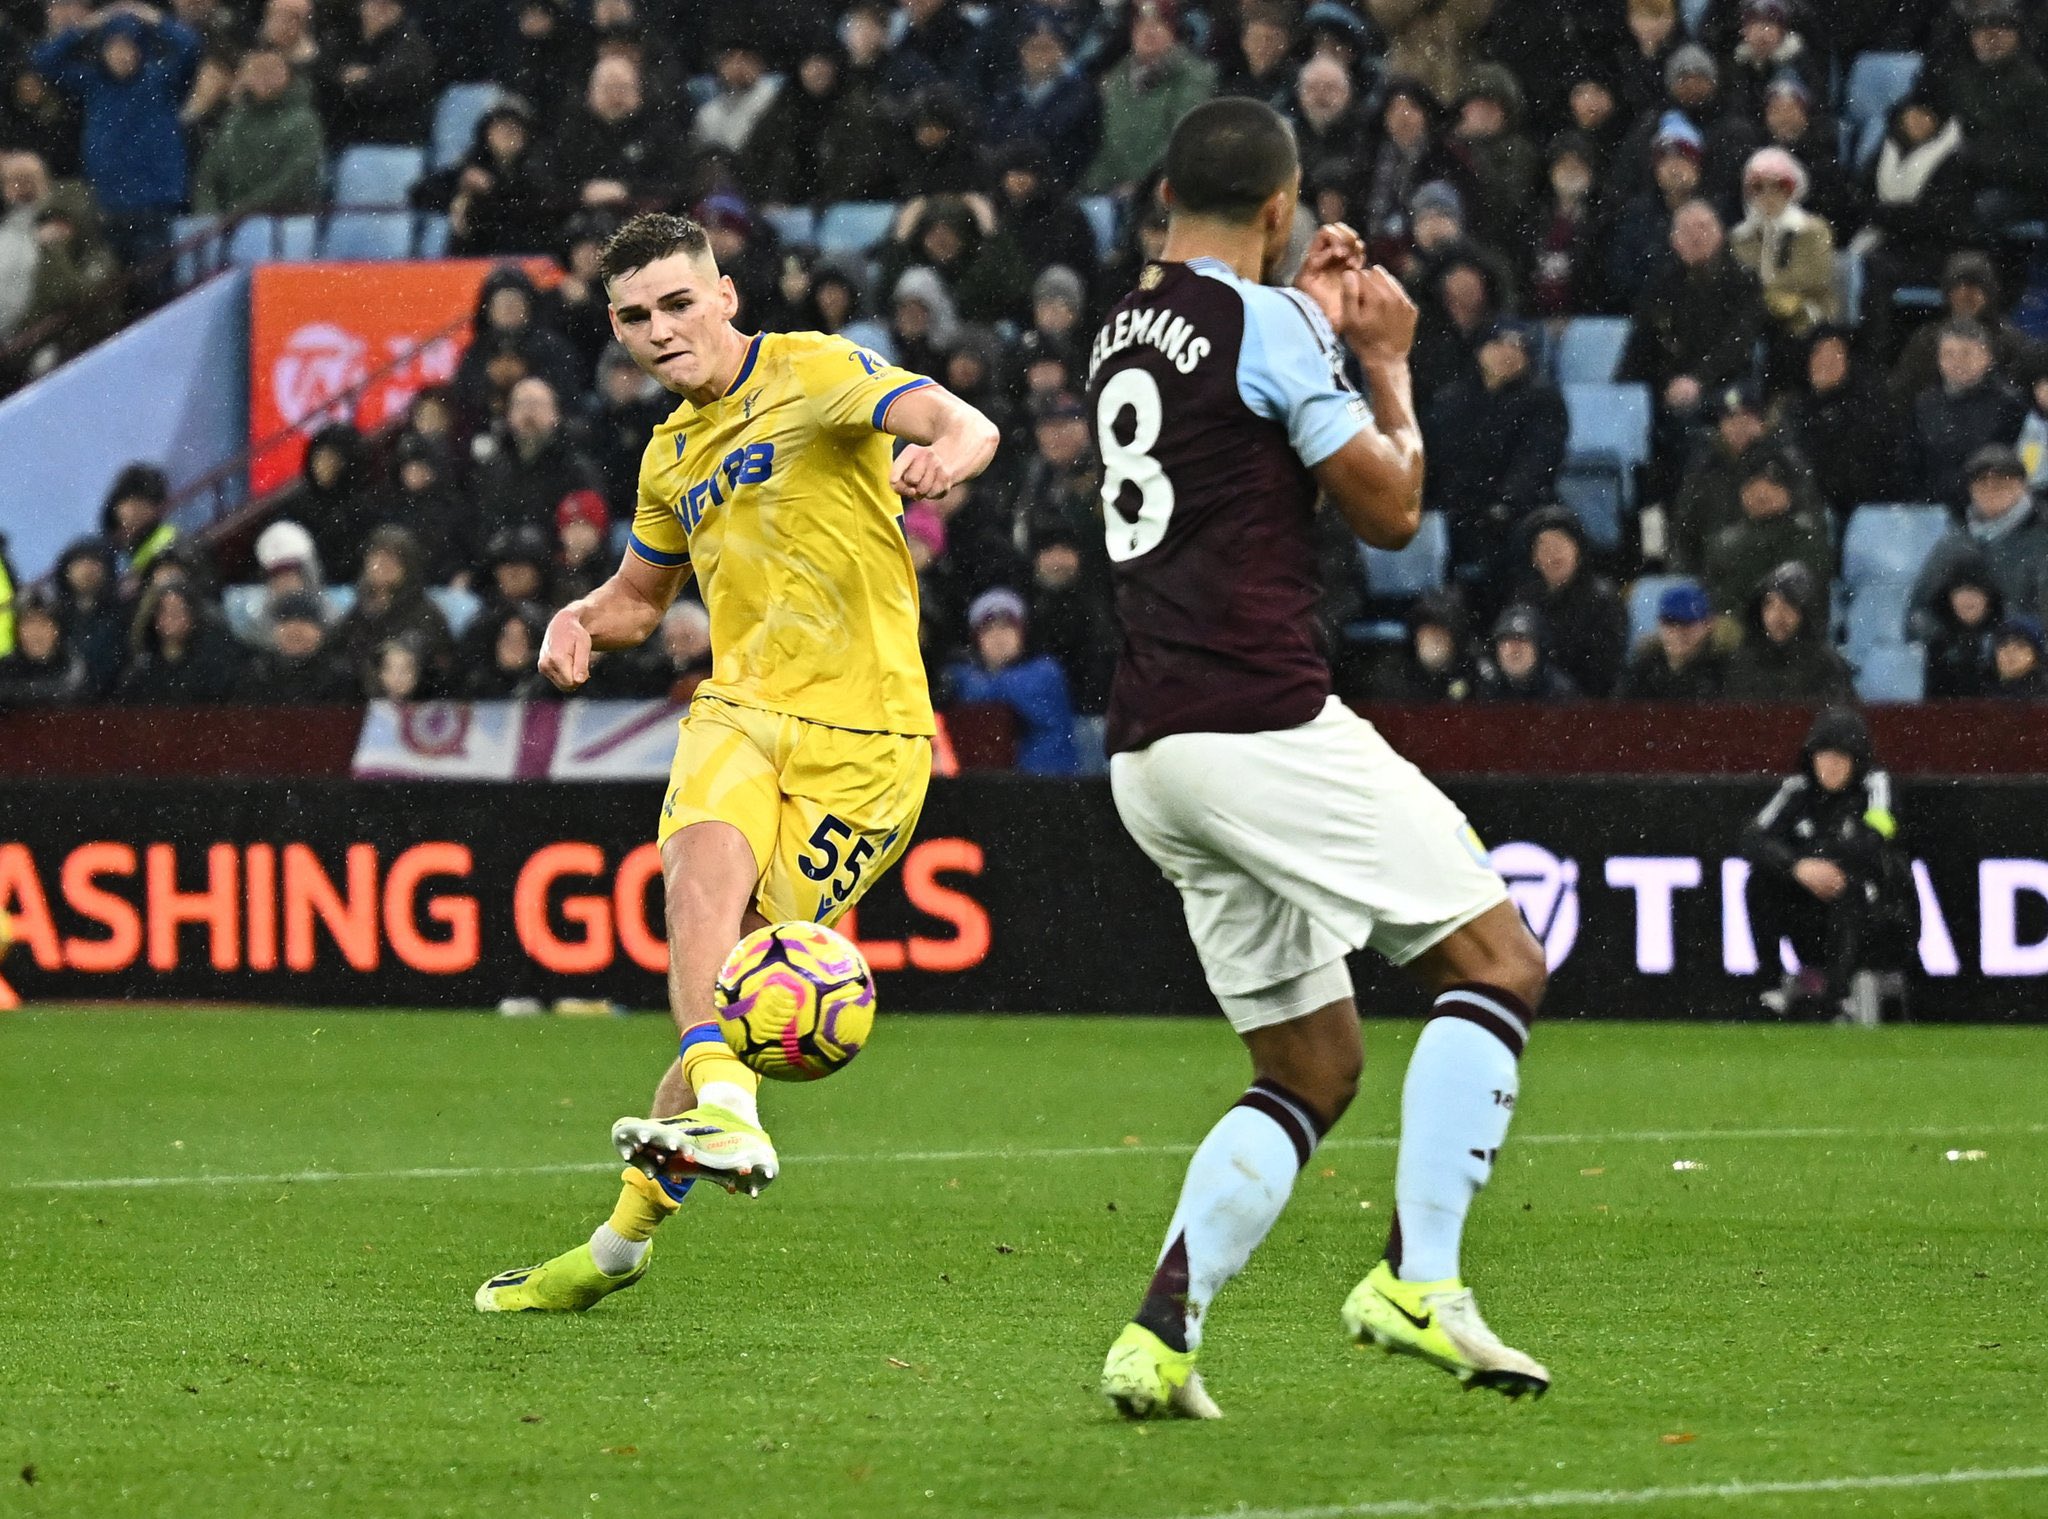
point(950, 441)
point(1376, 478)
point(620, 614)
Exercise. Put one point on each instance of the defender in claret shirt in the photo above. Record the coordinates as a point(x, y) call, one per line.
point(1292, 831)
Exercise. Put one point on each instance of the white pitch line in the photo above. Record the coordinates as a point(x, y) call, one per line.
point(923, 1157)
point(1508, 1503)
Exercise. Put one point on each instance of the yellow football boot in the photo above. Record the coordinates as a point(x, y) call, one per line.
point(1147, 1379)
point(569, 1283)
point(1439, 1322)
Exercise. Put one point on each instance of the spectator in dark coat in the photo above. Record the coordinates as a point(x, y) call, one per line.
point(1585, 623)
point(1565, 276)
point(333, 498)
point(2000, 95)
point(423, 499)
point(1639, 239)
point(1405, 154)
point(1785, 654)
point(583, 556)
point(1496, 439)
point(1002, 672)
point(1959, 625)
point(90, 608)
point(1040, 218)
point(1516, 668)
point(616, 151)
point(295, 664)
point(1459, 303)
point(624, 409)
point(544, 56)
point(1053, 102)
point(1061, 487)
point(1972, 407)
point(179, 652)
point(2017, 654)
point(1330, 126)
point(500, 652)
point(509, 313)
point(2002, 534)
point(1500, 167)
point(1843, 419)
point(1640, 64)
point(961, 241)
point(1262, 64)
point(1919, 199)
point(1969, 291)
point(941, 154)
point(499, 199)
point(951, 41)
point(1433, 665)
point(1710, 491)
point(1071, 618)
point(1679, 661)
point(1780, 522)
point(828, 137)
point(1793, 122)
point(45, 668)
point(1692, 83)
point(516, 566)
point(533, 464)
point(379, 84)
point(1770, 50)
point(391, 604)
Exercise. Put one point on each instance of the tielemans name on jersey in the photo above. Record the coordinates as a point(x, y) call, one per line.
point(1168, 333)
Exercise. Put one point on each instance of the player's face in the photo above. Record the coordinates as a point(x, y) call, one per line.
point(672, 316)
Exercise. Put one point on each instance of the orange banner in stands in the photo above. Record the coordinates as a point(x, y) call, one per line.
point(318, 330)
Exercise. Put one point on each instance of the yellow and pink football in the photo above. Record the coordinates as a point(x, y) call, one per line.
point(795, 1001)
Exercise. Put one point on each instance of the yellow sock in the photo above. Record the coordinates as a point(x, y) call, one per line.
point(641, 1207)
point(709, 1062)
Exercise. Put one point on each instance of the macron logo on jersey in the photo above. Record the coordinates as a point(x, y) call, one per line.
point(1168, 333)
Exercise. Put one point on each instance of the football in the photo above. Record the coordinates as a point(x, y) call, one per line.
point(795, 1001)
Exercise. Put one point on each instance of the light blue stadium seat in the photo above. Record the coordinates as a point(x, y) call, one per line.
point(1888, 541)
point(854, 226)
point(1595, 497)
point(795, 225)
point(1849, 280)
point(1103, 215)
point(460, 108)
point(204, 257)
point(377, 175)
point(368, 235)
point(1590, 350)
point(1610, 424)
point(274, 239)
point(340, 600)
point(457, 605)
point(1405, 574)
point(1643, 597)
point(1891, 672)
point(1877, 83)
point(430, 239)
point(1876, 615)
point(243, 605)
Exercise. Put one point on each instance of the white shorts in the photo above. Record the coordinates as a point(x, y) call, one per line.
point(1290, 849)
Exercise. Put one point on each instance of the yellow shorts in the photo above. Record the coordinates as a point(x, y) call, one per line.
point(826, 810)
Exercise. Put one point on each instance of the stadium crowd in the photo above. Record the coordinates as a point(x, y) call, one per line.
point(1519, 164)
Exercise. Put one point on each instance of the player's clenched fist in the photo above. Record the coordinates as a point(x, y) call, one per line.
point(565, 651)
point(920, 475)
point(1379, 319)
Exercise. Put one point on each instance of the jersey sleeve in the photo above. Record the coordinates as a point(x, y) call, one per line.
point(851, 388)
point(1290, 370)
point(658, 535)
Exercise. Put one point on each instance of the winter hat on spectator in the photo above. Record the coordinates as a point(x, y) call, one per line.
point(1785, 82)
point(725, 210)
point(2026, 630)
point(1767, 10)
point(1774, 166)
point(999, 605)
point(299, 606)
point(1044, 21)
point(1158, 10)
point(1677, 135)
point(1058, 283)
point(1519, 621)
point(520, 544)
point(286, 545)
point(1489, 81)
point(924, 286)
point(1408, 87)
point(1969, 267)
point(585, 506)
point(1439, 196)
point(1997, 459)
point(1691, 59)
point(1685, 604)
point(1333, 16)
point(1555, 519)
point(1996, 13)
point(923, 525)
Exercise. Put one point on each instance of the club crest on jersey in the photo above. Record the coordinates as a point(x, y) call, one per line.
point(1150, 278)
point(743, 466)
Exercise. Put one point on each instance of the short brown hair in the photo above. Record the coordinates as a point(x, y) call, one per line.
point(649, 236)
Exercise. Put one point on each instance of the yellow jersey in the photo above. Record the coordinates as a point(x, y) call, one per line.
point(777, 495)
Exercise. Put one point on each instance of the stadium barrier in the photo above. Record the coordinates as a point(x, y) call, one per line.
point(1018, 896)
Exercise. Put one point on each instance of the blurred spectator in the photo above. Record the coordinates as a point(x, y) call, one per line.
point(1330, 129)
point(399, 669)
point(1597, 115)
point(922, 321)
point(549, 48)
point(622, 29)
point(1679, 661)
point(508, 322)
point(2000, 96)
point(379, 83)
point(86, 602)
point(2002, 535)
point(44, 669)
point(128, 67)
point(575, 308)
point(980, 545)
point(1061, 488)
point(1971, 407)
point(1958, 624)
point(424, 501)
point(1919, 203)
point(2033, 438)
point(1158, 82)
point(1789, 250)
point(1459, 304)
point(1692, 93)
point(287, 25)
point(948, 40)
point(1516, 667)
point(1641, 62)
point(178, 652)
point(332, 497)
point(626, 407)
point(744, 252)
point(391, 603)
point(959, 239)
point(685, 644)
point(34, 118)
point(1781, 522)
point(1794, 124)
point(1969, 292)
point(1585, 624)
point(1770, 50)
point(294, 663)
point(1565, 266)
point(1430, 40)
point(516, 565)
point(500, 651)
point(941, 156)
point(1500, 166)
point(1844, 420)
point(2016, 661)
point(270, 151)
point(1496, 439)
point(1433, 665)
point(1043, 221)
point(1710, 491)
point(1071, 618)
point(1002, 672)
point(745, 92)
point(1641, 235)
point(498, 198)
point(289, 562)
point(613, 150)
point(1058, 297)
point(1784, 654)
point(827, 137)
point(57, 274)
point(583, 560)
point(1263, 65)
point(1052, 103)
point(132, 522)
point(1403, 157)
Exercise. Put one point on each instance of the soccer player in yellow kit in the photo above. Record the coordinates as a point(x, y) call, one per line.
point(803, 759)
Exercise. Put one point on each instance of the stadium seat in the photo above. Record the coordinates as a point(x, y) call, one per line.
point(1609, 441)
point(1595, 497)
point(1890, 541)
point(274, 239)
point(1643, 597)
point(1877, 83)
point(431, 238)
point(460, 108)
point(368, 235)
point(854, 226)
point(203, 258)
point(340, 600)
point(377, 175)
point(243, 605)
point(1420, 567)
point(1849, 284)
point(1876, 616)
point(1891, 672)
point(1590, 350)
point(1103, 215)
point(793, 225)
point(457, 605)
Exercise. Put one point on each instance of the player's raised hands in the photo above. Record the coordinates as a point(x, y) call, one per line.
point(565, 651)
point(920, 474)
point(1378, 318)
point(1336, 248)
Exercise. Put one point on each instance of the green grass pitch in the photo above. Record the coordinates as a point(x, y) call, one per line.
point(910, 1323)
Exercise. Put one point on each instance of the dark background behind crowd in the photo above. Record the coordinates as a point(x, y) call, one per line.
point(1519, 164)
